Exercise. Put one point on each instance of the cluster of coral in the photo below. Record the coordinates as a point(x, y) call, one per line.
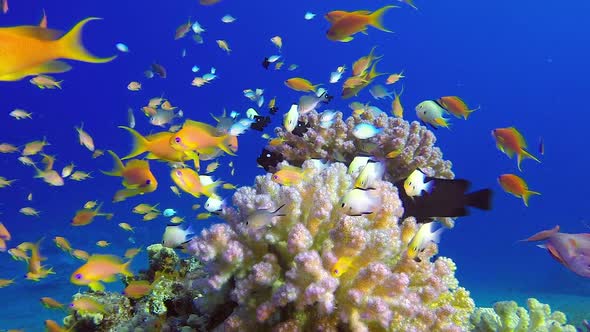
point(313, 267)
point(507, 316)
point(414, 142)
point(282, 276)
point(168, 307)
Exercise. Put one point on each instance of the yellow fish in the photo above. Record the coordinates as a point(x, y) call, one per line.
point(33, 50)
point(341, 266)
point(290, 175)
point(189, 181)
point(100, 268)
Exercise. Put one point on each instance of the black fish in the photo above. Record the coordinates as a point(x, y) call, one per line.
point(260, 122)
point(300, 129)
point(269, 160)
point(273, 110)
point(265, 63)
point(448, 198)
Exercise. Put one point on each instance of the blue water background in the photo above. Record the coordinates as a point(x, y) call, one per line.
point(525, 63)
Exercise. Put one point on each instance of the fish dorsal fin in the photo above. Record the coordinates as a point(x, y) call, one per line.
point(554, 253)
point(32, 31)
point(200, 125)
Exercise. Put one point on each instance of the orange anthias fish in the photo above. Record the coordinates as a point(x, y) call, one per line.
point(345, 24)
point(137, 289)
point(4, 233)
point(199, 136)
point(35, 271)
point(100, 268)
point(366, 79)
point(510, 141)
point(361, 65)
point(456, 106)
point(86, 216)
point(42, 50)
point(138, 179)
point(301, 84)
point(157, 145)
point(189, 181)
point(516, 186)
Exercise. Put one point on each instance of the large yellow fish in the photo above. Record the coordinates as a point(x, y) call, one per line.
point(100, 268)
point(33, 50)
point(201, 137)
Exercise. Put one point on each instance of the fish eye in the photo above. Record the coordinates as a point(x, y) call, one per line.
point(342, 204)
point(179, 173)
point(424, 112)
point(177, 139)
point(335, 271)
point(148, 181)
point(78, 276)
point(275, 177)
point(71, 305)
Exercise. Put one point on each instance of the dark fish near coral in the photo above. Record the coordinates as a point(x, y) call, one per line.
point(159, 70)
point(260, 122)
point(448, 198)
point(300, 129)
point(269, 160)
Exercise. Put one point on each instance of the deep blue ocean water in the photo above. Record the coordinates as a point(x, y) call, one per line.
point(525, 63)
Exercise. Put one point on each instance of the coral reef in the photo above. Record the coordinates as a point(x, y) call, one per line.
point(508, 316)
point(414, 142)
point(168, 307)
point(319, 267)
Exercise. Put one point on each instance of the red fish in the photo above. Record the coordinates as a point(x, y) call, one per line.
point(345, 24)
point(511, 142)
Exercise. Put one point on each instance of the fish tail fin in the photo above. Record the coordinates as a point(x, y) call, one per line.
point(525, 154)
point(481, 199)
point(442, 122)
point(429, 186)
point(211, 189)
point(224, 145)
point(117, 168)
point(468, 112)
point(435, 237)
point(72, 48)
point(376, 18)
point(125, 269)
point(527, 194)
point(140, 143)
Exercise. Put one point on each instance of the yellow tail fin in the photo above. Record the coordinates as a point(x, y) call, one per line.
point(375, 19)
point(527, 194)
point(118, 168)
point(140, 143)
point(72, 48)
point(522, 155)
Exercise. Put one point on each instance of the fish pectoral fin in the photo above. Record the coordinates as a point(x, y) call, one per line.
point(346, 39)
point(50, 67)
point(112, 278)
point(364, 31)
point(96, 286)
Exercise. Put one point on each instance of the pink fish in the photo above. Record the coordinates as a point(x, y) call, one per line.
point(571, 250)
